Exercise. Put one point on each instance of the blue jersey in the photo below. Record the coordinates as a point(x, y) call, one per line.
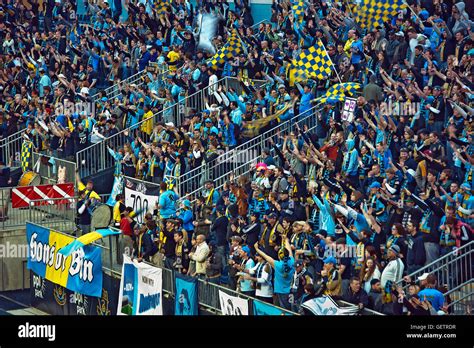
point(168, 204)
point(435, 297)
point(284, 271)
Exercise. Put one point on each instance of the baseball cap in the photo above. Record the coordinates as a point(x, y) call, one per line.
point(375, 184)
point(330, 259)
point(246, 249)
point(423, 276)
point(281, 86)
point(272, 216)
point(395, 248)
point(298, 263)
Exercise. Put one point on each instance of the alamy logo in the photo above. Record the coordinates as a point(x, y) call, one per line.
point(37, 331)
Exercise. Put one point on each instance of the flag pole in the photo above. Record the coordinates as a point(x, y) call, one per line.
point(333, 66)
point(416, 15)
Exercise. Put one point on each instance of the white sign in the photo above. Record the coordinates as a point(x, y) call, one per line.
point(231, 305)
point(140, 289)
point(348, 110)
point(325, 305)
point(140, 202)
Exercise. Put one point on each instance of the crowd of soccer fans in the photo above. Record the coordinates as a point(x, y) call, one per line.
point(346, 209)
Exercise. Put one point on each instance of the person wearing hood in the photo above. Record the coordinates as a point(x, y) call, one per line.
point(350, 165)
point(460, 19)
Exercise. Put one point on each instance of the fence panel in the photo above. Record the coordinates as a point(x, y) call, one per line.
point(49, 172)
point(96, 158)
point(53, 216)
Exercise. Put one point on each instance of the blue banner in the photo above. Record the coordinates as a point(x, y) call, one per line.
point(116, 189)
point(129, 289)
point(262, 308)
point(186, 301)
point(80, 272)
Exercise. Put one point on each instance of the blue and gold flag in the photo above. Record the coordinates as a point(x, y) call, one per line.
point(341, 88)
point(372, 13)
point(337, 93)
point(231, 49)
point(298, 10)
point(314, 61)
point(162, 6)
point(86, 239)
point(25, 156)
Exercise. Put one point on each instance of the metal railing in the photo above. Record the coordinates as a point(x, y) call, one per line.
point(11, 145)
point(51, 215)
point(248, 151)
point(208, 293)
point(11, 148)
point(239, 168)
point(454, 271)
point(96, 157)
point(49, 172)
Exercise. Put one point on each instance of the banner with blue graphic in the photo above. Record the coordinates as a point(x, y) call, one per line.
point(140, 289)
point(262, 308)
point(80, 272)
point(186, 301)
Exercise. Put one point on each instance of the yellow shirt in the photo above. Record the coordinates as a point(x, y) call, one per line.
point(147, 126)
point(347, 47)
point(93, 194)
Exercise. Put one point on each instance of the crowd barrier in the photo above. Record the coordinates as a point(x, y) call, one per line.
point(53, 216)
point(49, 172)
point(454, 271)
point(96, 157)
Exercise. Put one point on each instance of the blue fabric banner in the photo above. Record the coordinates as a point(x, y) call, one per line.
point(80, 272)
point(262, 308)
point(186, 302)
point(116, 189)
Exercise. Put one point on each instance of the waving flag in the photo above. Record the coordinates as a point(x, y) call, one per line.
point(298, 10)
point(231, 49)
point(373, 13)
point(85, 240)
point(314, 61)
point(162, 6)
point(341, 88)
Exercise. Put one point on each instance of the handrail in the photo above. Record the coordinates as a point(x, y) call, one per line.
point(437, 261)
point(99, 147)
point(264, 136)
point(244, 146)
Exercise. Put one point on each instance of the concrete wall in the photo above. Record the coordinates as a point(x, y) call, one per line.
point(13, 272)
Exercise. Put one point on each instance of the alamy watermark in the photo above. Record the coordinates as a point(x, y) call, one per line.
point(236, 157)
point(399, 108)
point(12, 250)
point(69, 108)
